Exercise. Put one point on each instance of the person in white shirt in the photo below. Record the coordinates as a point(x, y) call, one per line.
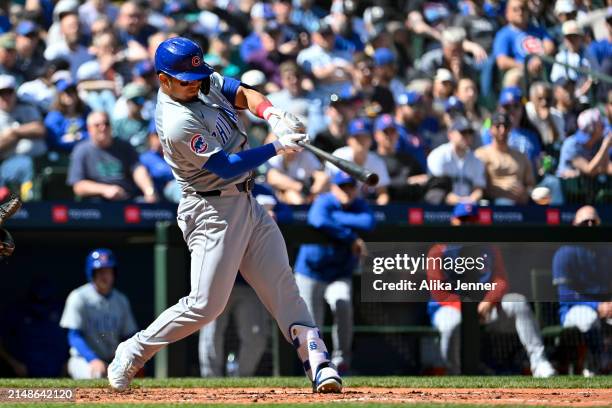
point(359, 141)
point(456, 161)
point(574, 54)
point(296, 177)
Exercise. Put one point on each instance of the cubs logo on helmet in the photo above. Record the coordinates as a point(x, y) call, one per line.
point(183, 59)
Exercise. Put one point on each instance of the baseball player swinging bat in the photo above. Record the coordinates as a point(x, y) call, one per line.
point(206, 145)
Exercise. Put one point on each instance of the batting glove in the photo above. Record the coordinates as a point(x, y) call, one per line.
point(282, 123)
point(288, 142)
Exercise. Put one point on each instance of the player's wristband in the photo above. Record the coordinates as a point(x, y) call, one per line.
point(261, 109)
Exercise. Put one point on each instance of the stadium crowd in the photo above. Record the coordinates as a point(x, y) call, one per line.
point(449, 101)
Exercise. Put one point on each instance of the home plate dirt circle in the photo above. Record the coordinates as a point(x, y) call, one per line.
point(487, 396)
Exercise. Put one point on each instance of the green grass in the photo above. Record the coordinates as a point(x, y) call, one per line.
point(413, 382)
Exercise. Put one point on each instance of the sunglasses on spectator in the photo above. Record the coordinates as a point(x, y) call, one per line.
point(97, 124)
point(590, 222)
point(6, 92)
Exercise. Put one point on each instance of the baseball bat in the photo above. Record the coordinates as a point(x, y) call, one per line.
point(360, 173)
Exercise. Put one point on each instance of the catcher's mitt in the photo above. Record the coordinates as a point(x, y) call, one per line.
point(7, 209)
point(7, 245)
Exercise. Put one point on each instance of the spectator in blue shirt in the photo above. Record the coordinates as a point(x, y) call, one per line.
point(324, 271)
point(517, 39)
point(582, 276)
point(587, 152)
point(66, 122)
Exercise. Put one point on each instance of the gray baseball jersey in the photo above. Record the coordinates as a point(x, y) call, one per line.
point(104, 321)
point(190, 133)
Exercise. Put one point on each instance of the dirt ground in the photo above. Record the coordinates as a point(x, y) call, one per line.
point(564, 397)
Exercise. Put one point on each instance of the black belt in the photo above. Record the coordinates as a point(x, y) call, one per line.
point(244, 187)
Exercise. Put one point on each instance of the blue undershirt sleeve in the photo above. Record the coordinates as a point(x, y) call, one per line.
point(231, 165)
point(76, 340)
point(230, 88)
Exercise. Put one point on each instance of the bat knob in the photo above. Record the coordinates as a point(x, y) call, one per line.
point(371, 179)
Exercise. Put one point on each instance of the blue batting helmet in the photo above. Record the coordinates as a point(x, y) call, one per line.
point(97, 259)
point(183, 59)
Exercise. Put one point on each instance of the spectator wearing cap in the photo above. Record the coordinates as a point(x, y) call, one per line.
point(385, 72)
point(518, 39)
point(342, 108)
point(66, 122)
point(410, 119)
point(324, 272)
point(376, 98)
point(565, 10)
point(268, 58)
point(451, 56)
point(467, 94)
point(106, 168)
point(160, 172)
point(455, 161)
point(453, 108)
point(8, 57)
point(133, 128)
point(544, 117)
point(406, 175)
point(132, 25)
point(573, 54)
point(587, 152)
point(509, 174)
point(307, 14)
point(327, 65)
point(91, 10)
point(523, 137)
point(40, 92)
point(22, 136)
point(359, 142)
point(443, 88)
point(30, 50)
point(70, 47)
point(296, 177)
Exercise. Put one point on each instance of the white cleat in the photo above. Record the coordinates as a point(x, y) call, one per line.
point(544, 370)
point(121, 370)
point(327, 381)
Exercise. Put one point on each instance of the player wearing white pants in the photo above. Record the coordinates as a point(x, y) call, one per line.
point(338, 295)
point(226, 230)
point(512, 313)
point(253, 327)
